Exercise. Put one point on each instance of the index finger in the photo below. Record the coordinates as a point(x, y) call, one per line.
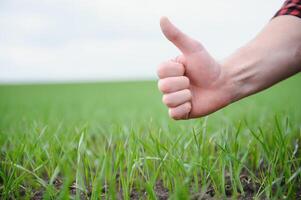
point(170, 69)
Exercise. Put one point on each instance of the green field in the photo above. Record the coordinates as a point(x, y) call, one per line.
point(116, 141)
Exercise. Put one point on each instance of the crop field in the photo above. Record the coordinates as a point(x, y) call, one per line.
point(115, 140)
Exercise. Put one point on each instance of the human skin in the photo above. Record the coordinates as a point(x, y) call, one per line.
point(194, 84)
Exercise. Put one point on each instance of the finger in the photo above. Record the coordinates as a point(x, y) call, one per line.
point(180, 112)
point(173, 84)
point(177, 98)
point(182, 41)
point(170, 69)
point(179, 59)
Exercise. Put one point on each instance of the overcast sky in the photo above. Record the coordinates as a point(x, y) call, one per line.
point(88, 40)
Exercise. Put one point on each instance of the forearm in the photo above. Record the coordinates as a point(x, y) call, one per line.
point(270, 57)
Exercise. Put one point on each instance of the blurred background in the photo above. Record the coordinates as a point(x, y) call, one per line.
point(99, 40)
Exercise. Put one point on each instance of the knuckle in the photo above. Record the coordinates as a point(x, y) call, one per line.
point(172, 114)
point(163, 86)
point(188, 93)
point(179, 68)
point(174, 36)
point(167, 100)
point(159, 85)
point(186, 80)
point(159, 72)
point(198, 45)
point(161, 69)
point(175, 115)
point(180, 59)
point(182, 69)
point(188, 107)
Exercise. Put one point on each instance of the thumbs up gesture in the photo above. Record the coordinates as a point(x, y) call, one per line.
point(193, 84)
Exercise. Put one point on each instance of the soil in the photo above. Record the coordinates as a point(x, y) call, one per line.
point(161, 191)
point(250, 189)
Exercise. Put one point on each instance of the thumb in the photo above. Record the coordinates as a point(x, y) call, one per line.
point(183, 42)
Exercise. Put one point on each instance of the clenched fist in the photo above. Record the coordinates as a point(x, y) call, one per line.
point(193, 84)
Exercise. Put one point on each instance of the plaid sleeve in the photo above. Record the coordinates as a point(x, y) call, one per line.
point(290, 7)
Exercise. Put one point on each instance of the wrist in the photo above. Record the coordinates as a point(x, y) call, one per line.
point(241, 73)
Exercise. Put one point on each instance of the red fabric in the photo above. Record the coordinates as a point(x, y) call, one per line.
point(290, 7)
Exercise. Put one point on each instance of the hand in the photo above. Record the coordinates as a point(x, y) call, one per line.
point(193, 84)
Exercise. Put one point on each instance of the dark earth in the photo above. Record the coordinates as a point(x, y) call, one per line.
point(249, 186)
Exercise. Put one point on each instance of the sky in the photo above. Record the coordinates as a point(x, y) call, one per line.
point(100, 40)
